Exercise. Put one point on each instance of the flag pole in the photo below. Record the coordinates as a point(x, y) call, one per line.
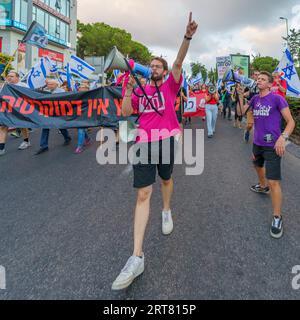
point(28, 56)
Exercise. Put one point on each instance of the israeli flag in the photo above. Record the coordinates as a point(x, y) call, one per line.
point(229, 85)
point(38, 74)
point(80, 68)
point(197, 79)
point(94, 85)
point(219, 84)
point(70, 78)
point(185, 84)
point(288, 72)
point(62, 76)
point(54, 68)
point(116, 73)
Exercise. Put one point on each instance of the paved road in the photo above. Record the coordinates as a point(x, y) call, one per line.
point(66, 227)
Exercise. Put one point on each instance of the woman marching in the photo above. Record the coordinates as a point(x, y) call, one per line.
point(212, 99)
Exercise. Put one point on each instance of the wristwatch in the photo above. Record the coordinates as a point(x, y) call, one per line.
point(285, 136)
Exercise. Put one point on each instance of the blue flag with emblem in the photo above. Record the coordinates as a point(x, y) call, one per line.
point(288, 72)
point(80, 68)
point(36, 35)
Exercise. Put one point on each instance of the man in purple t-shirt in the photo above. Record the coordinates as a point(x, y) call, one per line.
point(269, 143)
point(157, 112)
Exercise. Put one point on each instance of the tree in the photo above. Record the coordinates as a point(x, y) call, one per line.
point(264, 64)
point(198, 67)
point(213, 75)
point(98, 39)
point(138, 52)
point(294, 45)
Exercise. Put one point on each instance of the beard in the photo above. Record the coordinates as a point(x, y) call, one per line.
point(157, 77)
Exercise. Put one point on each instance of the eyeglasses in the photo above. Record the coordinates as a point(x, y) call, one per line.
point(156, 66)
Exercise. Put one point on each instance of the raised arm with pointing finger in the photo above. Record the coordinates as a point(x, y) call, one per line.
point(190, 31)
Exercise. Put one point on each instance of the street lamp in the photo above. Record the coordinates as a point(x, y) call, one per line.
point(287, 25)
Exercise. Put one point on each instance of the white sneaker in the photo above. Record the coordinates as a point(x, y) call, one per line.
point(2, 152)
point(167, 223)
point(133, 268)
point(24, 145)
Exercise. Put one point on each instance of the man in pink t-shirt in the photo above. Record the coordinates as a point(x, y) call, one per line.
point(158, 125)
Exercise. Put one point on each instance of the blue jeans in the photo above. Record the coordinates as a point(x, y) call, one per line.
point(211, 118)
point(45, 137)
point(82, 136)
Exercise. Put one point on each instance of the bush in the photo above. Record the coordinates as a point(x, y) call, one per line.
point(294, 104)
point(5, 59)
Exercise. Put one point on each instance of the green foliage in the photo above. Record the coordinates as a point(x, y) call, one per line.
point(294, 104)
point(264, 64)
point(139, 52)
point(213, 75)
point(198, 67)
point(98, 39)
point(294, 45)
point(5, 59)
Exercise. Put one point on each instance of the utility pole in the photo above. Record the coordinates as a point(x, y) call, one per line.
point(28, 55)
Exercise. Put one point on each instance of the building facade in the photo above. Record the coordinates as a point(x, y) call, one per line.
point(59, 17)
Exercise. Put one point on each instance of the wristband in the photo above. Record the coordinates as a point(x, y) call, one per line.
point(188, 38)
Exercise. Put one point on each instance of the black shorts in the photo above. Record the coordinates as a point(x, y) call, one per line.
point(267, 156)
point(145, 173)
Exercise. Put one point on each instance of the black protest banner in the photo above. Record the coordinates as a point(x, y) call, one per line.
point(24, 108)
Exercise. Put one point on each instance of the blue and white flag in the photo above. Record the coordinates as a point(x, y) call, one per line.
point(94, 85)
point(288, 72)
point(197, 79)
point(185, 84)
point(62, 76)
point(70, 78)
point(116, 73)
point(80, 68)
point(219, 84)
point(229, 85)
point(54, 67)
point(36, 35)
point(37, 76)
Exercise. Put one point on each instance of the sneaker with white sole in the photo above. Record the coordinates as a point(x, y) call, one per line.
point(258, 189)
point(134, 267)
point(167, 223)
point(2, 152)
point(24, 145)
point(277, 228)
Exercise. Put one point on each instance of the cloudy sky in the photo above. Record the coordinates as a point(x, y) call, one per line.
point(228, 26)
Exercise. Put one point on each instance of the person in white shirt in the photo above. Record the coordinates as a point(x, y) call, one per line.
point(14, 78)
